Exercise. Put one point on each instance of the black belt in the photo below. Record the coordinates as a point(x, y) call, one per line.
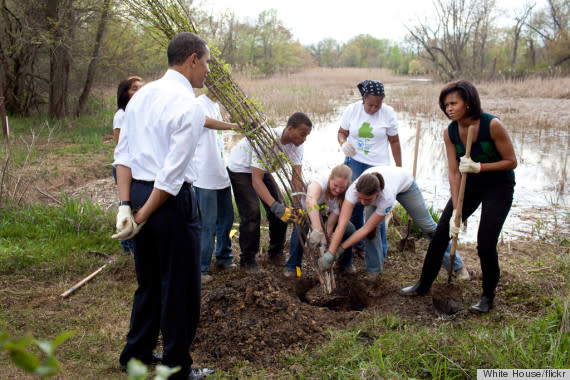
point(151, 183)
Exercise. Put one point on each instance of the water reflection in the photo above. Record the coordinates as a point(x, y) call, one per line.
point(541, 199)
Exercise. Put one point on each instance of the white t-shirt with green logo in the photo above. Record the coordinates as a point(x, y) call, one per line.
point(369, 133)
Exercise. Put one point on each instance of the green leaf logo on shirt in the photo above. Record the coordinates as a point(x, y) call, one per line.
point(365, 132)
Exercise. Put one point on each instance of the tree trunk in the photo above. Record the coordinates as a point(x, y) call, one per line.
point(82, 102)
point(59, 14)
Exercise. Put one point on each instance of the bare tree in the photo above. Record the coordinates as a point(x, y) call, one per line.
point(553, 25)
point(82, 102)
point(481, 25)
point(444, 45)
point(521, 16)
point(59, 14)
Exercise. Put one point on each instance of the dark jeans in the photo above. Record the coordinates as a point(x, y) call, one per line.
point(167, 264)
point(247, 203)
point(296, 249)
point(496, 199)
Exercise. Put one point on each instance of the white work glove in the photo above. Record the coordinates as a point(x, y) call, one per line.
point(136, 229)
point(316, 237)
point(348, 149)
point(125, 223)
point(453, 229)
point(467, 165)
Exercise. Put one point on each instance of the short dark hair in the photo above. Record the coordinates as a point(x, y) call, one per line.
point(183, 45)
point(123, 96)
point(467, 92)
point(369, 184)
point(299, 118)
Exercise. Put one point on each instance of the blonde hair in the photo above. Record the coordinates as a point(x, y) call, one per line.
point(339, 171)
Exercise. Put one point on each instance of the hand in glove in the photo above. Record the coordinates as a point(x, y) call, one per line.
point(453, 228)
point(326, 262)
point(136, 229)
point(286, 214)
point(348, 149)
point(467, 165)
point(125, 223)
point(317, 237)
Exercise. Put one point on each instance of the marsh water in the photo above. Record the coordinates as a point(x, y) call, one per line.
point(541, 205)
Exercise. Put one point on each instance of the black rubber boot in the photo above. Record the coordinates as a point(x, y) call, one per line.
point(414, 290)
point(485, 304)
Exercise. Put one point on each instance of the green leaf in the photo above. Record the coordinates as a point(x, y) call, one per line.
point(136, 370)
point(163, 372)
point(25, 360)
point(46, 346)
point(49, 367)
point(62, 338)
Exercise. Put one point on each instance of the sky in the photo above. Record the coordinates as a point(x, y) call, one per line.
point(311, 21)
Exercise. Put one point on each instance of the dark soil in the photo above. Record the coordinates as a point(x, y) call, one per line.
point(263, 317)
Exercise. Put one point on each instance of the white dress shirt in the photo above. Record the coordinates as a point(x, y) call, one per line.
point(163, 122)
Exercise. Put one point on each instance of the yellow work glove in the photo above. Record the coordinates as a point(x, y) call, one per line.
point(286, 214)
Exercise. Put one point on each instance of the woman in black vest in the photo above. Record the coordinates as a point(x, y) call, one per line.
point(490, 183)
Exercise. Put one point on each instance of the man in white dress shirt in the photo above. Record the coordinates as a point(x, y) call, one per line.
point(163, 122)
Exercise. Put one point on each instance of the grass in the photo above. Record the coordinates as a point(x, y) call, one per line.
point(56, 238)
point(387, 346)
point(46, 248)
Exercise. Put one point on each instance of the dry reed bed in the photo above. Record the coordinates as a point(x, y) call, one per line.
point(532, 103)
point(317, 92)
point(529, 105)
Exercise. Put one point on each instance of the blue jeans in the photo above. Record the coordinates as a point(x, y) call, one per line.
point(413, 202)
point(296, 249)
point(357, 217)
point(217, 214)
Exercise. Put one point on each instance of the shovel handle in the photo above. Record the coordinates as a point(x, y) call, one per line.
point(417, 145)
point(459, 208)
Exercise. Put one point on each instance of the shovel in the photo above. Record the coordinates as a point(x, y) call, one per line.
point(459, 208)
point(446, 301)
point(403, 241)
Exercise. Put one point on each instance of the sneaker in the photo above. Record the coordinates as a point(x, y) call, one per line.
point(206, 278)
point(200, 373)
point(413, 290)
point(227, 267)
point(483, 306)
point(462, 274)
point(290, 273)
point(348, 269)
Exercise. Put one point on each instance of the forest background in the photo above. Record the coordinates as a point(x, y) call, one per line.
point(55, 54)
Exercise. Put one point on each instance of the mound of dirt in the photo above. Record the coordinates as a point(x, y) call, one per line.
point(258, 317)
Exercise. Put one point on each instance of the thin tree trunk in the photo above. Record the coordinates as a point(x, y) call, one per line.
point(82, 102)
point(59, 13)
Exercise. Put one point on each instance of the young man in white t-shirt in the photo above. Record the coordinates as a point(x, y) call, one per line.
point(251, 180)
point(214, 194)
